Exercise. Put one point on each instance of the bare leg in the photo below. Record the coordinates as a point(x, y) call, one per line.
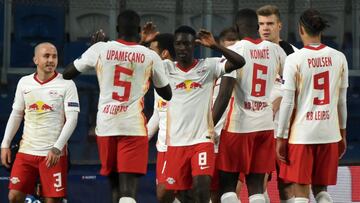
point(201, 187)
point(16, 196)
point(301, 190)
point(255, 183)
point(128, 183)
point(114, 184)
point(52, 200)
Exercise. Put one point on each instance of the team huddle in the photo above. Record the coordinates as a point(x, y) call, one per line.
point(222, 122)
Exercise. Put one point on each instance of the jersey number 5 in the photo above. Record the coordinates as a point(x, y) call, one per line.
point(258, 82)
point(120, 83)
point(324, 85)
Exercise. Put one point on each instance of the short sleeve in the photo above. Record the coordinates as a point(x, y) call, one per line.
point(216, 66)
point(89, 58)
point(159, 77)
point(345, 73)
point(19, 102)
point(71, 99)
point(289, 82)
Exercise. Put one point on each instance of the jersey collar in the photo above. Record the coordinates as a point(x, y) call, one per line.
point(46, 81)
point(321, 46)
point(254, 41)
point(126, 42)
point(195, 62)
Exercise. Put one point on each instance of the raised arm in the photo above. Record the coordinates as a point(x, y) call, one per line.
point(148, 33)
point(234, 60)
point(70, 72)
point(223, 98)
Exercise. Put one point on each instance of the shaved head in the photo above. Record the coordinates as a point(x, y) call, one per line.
point(43, 45)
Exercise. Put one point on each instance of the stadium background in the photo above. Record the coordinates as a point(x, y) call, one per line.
point(69, 23)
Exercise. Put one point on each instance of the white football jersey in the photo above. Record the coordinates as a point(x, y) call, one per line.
point(251, 110)
point(160, 107)
point(189, 115)
point(315, 74)
point(123, 70)
point(44, 104)
point(219, 126)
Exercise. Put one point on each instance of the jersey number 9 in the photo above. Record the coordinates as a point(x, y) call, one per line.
point(324, 86)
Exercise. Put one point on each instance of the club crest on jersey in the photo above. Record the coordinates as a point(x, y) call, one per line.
point(14, 180)
point(40, 107)
point(202, 70)
point(53, 93)
point(188, 85)
point(170, 180)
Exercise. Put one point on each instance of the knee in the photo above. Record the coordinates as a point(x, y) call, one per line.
point(160, 192)
point(201, 191)
point(255, 184)
point(285, 190)
point(16, 196)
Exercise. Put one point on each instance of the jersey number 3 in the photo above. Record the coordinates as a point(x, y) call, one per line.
point(258, 85)
point(324, 86)
point(120, 83)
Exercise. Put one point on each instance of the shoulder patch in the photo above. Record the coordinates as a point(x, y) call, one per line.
point(73, 104)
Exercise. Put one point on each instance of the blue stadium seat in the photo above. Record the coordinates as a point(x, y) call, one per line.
point(39, 23)
point(1, 29)
point(21, 54)
point(34, 25)
point(1, 23)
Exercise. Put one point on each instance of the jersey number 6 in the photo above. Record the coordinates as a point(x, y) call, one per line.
point(258, 82)
point(120, 83)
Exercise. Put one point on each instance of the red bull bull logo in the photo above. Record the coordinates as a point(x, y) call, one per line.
point(33, 107)
point(188, 85)
point(40, 106)
point(180, 86)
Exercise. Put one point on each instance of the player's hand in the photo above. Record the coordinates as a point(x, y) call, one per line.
point(342, 143)
point(206, 38)
point(6, 157)
point(148, 32)
point(52, 157)
point(98, 36)
point(281, 149)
